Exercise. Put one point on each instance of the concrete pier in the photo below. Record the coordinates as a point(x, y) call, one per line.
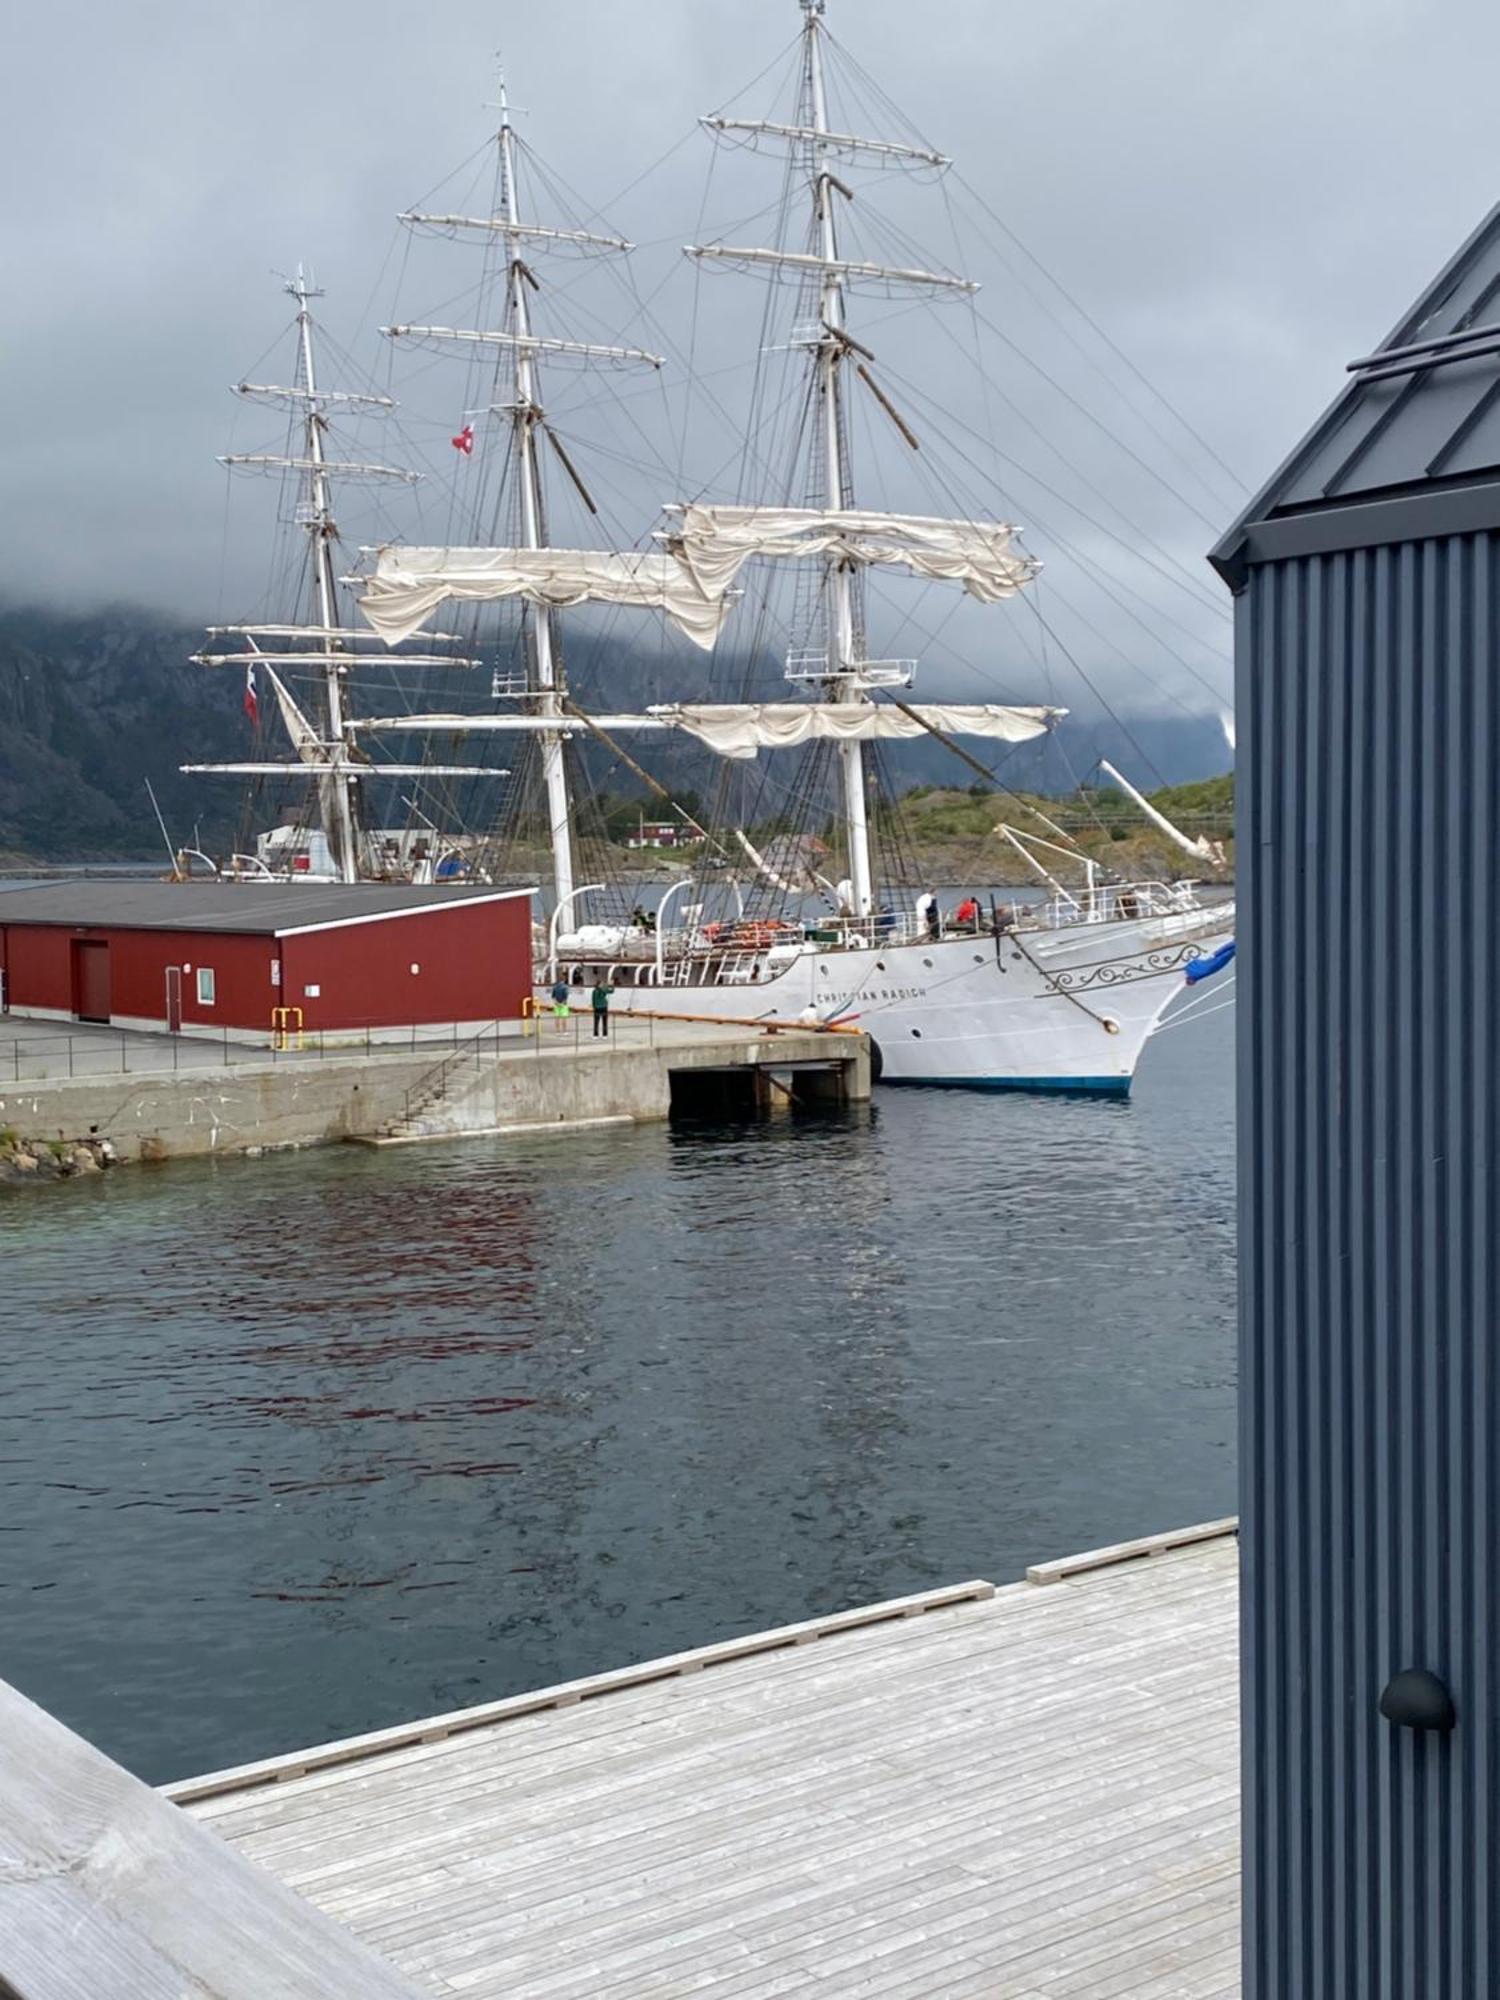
point(643, 1070)
point(234, 1100)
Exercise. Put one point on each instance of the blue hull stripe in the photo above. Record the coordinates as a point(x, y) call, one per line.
point(1090, 1086)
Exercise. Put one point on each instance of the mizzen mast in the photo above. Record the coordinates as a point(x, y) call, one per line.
point(325, 746)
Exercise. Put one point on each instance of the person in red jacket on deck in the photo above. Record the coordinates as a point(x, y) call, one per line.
point(966, 916)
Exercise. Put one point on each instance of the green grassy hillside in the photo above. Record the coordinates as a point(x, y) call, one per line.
point(953, 832)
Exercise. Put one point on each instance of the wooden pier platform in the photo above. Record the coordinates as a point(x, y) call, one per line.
point(1011, 1793)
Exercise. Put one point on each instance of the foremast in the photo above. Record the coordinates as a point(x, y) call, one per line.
point(340, 811)
point(841, 670)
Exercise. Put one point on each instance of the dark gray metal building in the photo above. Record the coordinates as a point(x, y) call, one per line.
point(1367, 582)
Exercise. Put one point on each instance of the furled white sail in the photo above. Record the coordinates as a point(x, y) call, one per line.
point(309, 745)
point(410, 583)
point(743, 729)
point(1200, 846)
point(713, 543)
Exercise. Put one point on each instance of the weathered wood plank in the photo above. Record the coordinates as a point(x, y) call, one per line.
point(875, 1660)
point(1126, 1552)
point(105, 1889)
point(443, 1784)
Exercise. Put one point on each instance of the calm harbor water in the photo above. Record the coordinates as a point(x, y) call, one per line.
point(295, 1447)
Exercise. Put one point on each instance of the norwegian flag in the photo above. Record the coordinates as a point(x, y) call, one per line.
point(464, 442)
point(252, 699)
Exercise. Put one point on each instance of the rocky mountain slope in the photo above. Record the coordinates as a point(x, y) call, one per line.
point(93, 704)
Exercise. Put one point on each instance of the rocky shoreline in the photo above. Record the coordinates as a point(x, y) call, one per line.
point(30, 1160)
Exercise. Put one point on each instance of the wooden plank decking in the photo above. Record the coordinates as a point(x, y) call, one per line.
point(106, 1893)
point(1020, 1794)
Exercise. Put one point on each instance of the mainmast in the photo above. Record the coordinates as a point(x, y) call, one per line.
point(335, 785)
point(525, 415)
point(843, 683)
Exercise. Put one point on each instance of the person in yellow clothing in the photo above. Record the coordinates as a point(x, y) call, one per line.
point(560, 1007)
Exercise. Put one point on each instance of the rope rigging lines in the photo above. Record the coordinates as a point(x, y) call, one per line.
point(755, 428)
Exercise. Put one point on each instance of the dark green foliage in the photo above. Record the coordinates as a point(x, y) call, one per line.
point(1208, 805)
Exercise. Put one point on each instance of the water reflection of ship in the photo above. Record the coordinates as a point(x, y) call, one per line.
point(844, 1383)
point(421, 1385)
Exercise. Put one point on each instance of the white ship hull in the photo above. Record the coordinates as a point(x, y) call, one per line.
point(1034, 1009)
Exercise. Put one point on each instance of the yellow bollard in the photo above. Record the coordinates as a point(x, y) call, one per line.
point(286, 1028)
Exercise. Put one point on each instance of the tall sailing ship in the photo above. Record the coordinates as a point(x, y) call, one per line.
point(811, 923)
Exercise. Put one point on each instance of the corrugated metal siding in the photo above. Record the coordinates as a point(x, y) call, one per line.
point(1370, 1285)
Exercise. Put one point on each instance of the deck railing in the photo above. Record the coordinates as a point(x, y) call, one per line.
point(106, 1051)
point(1112, 902)
point(744, 950)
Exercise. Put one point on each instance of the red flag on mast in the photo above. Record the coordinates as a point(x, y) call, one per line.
point(252, 699)
point(464, 442)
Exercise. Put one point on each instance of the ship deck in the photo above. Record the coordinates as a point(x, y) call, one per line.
point(1017, 1793)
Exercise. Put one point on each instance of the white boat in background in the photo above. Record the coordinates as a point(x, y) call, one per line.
point(297, 851)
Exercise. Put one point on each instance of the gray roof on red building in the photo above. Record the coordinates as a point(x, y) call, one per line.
point(264, 909)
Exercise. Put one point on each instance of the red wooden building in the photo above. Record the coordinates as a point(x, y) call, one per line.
point(222, 957)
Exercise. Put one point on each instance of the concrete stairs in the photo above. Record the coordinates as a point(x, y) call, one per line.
point(452, 1079)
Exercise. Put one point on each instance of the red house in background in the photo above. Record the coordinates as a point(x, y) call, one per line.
point(221, 957)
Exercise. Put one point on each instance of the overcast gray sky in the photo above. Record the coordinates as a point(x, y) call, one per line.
point(1245, 196)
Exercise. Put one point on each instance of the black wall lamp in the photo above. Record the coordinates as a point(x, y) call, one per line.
point(1415, 1699)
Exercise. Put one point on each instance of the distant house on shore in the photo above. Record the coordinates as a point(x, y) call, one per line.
point(663, 833)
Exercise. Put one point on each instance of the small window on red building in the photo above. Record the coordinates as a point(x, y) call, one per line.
point(205, 986)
